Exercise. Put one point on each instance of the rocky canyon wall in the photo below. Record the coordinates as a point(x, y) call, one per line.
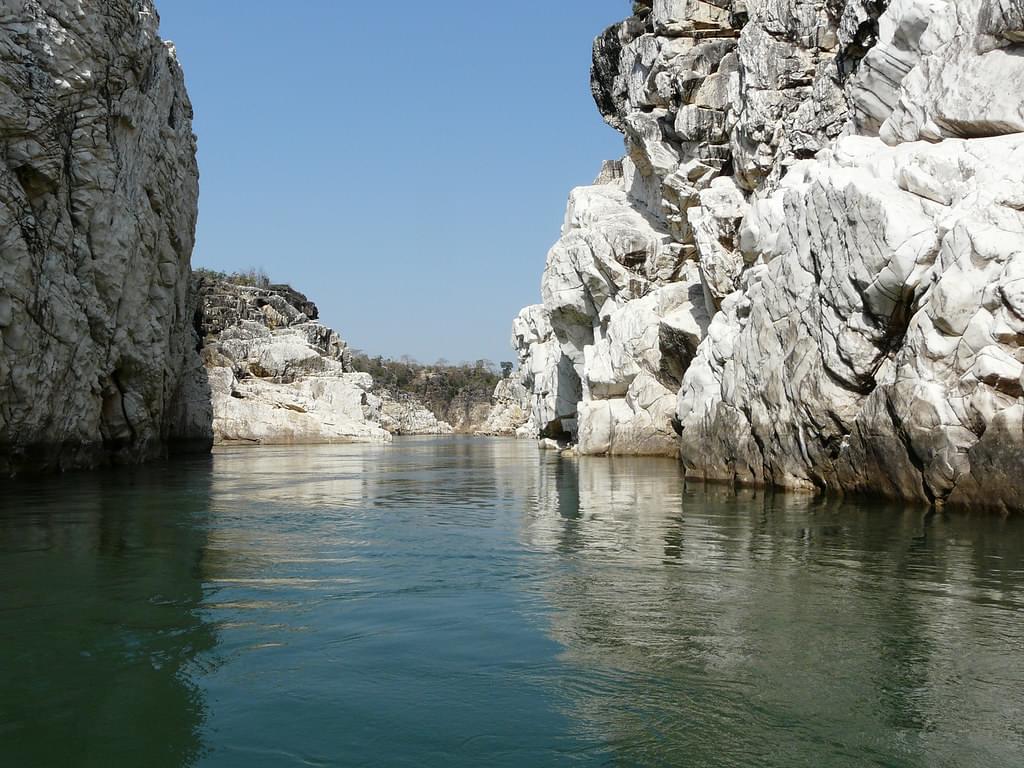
point(99, 187)
point(278, 376)
point(807, 269)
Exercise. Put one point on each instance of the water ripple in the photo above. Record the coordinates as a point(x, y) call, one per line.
point(465, 602)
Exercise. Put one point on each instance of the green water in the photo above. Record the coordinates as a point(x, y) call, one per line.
point(456, 602)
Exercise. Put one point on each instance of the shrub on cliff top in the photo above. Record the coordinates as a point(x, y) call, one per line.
point(253, 276)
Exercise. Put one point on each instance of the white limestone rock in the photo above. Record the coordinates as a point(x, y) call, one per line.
point(676, 17)
point(401, 414)
point(1002, 19)
point(510, 409)
point(635, 367)
point(846, 179)
point(969, 76)
point(548, 374)
point(716, 224)
point(601, 291)
point(316, 409)
point(98, 185)
point(874, 89)
point(279, 377)
point(880, 343)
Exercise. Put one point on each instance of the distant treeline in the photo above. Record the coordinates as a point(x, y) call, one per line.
point(437, 385)
point(257, 278)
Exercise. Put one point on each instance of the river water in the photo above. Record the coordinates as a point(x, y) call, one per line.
point(472, 602)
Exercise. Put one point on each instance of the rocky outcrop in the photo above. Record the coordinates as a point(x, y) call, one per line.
point(814, 243)
point(277, 375)
point(469, 410)
point(509, 412)
point(99, 186)
point(878, 345)
point(403, 414)
point(623, 311)
point(547, 372)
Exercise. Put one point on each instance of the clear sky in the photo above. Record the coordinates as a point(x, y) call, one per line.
point(405, 164)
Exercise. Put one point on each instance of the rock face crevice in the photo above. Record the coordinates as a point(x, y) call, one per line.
point(99, 187)
point(805, 272)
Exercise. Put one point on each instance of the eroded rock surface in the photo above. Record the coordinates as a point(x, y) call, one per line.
point(878, 344)
point(814, 241)
point(277, 375)
point(403, 414)
point(547, 372)
point(509, 412)
point(98, 185)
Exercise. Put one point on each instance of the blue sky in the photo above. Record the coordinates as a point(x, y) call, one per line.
point(406, 164)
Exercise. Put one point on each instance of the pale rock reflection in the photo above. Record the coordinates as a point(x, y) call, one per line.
point(701, 619)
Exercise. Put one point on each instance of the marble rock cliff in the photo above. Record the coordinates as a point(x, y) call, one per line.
point(509, 411)
point(99, 187)
point(403, 414)
point(276, 374)
point(807, 269)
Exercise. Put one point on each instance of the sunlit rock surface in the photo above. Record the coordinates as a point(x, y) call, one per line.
point(402, 414)
point(98, 184)
point(814, 242)
point(879, 344)
point(509, 414)
point(547, 372)
point(277, 375)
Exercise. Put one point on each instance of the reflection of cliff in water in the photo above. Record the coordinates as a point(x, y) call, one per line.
point(99, 617)
point(700, 620)
point(336, 490)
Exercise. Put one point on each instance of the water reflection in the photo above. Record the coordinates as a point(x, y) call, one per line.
point(752, 629)
point(370, 605)
point(99, 627)
point(466, 602)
